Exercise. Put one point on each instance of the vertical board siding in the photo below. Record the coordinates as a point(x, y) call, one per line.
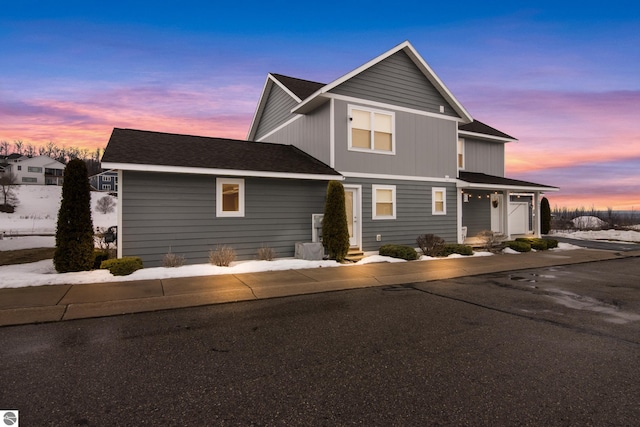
point(476, 213)
point(396, 80)
point(413, 213)
point(425, 146)
point(177, 213)
point(277, 110)
point(484, 156)
point(310, 133)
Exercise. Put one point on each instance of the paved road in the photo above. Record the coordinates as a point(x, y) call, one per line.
point(601, 245)
point(553, 346)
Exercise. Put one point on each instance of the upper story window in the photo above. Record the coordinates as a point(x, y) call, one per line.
point(371, 130)
point(229, 197)
point(34, 169)
point(460, 153)
point(384, 201)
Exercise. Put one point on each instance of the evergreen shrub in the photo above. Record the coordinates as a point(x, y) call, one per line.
point(74, 231)
point(519, 246)
point(399, 251)
point(122, 266)
point(455, 248)
point(335, 229)
point(545, 212)
point(536, 244)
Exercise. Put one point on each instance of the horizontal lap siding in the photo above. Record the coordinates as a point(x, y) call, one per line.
point(476, 213)
point(163, 212)
point(413, 214)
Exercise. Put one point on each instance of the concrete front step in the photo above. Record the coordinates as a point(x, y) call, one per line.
point(354, 255)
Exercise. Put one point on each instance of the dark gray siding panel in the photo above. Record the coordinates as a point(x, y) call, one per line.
point(413, 214)
point(476, 213)
point(277, 111)
point(483, 156)
point(310, 133)
point(397, 81)
point(425, 146)
point(163, 212)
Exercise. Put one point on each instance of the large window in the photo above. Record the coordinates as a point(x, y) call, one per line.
point(439, 201)
point(29, 179)
point(384, 201)
point(229, 197)
point(460, 153)
point(371, 130)
point(34, 169)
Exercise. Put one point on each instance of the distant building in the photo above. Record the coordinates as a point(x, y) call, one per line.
point(105, 181)
point(39, 170)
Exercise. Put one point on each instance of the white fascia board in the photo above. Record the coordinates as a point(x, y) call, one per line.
point(485, 136)
point(396, 177)
point(224, 172)
point(496, 187)
point(282, 126)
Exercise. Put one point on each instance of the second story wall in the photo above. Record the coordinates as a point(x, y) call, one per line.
point(484, 156)
point(425, 146)
point(278, 111)
point(310, 133)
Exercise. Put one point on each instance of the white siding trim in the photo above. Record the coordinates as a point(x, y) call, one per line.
point(396, 177)
point(384, 105)
point(332, 134)
point(484, 136)
point(228, 172)
point(119, 213)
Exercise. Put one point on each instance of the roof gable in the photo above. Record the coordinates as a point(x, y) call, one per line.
point(131, 149)
point(316, 99)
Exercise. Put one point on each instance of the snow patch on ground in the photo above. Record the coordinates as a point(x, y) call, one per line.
point(604, 235)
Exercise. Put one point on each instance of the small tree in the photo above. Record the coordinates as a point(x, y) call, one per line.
point(545, 219)
point(8, 182)
point(105, 205)
point(335, 230)
point(74, 233)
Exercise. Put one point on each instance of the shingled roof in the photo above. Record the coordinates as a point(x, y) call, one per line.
point(139, 147)
point(300, 88)
point(481, 178)
point(477, 126)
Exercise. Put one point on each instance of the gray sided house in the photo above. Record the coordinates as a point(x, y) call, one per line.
point(411, 158)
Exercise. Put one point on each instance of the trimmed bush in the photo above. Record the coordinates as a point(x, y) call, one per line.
point(74, 231)
point(399, 251)
point(99, 255)
point(535, 243)
point(551, 243)
point(430, 244)
point(455, 248)
point(519, 246)
point(335, 229)
point(122, 266)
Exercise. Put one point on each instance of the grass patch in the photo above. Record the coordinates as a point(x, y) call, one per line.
point(24, 256)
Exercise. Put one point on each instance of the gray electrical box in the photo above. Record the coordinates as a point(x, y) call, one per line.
point(316, 227)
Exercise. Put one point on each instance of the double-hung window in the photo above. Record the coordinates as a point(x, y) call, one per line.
point(229, 197)
point(460, 153)
point(438, 201)
point(371, 130)
point(384, 201)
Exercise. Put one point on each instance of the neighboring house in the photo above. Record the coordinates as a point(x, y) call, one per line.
point(39, 170)
point(411, 158)
point(105, 181)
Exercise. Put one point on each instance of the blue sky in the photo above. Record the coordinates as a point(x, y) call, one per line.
point(562, 77)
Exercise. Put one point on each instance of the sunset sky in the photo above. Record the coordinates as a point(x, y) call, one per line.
point(562, 77)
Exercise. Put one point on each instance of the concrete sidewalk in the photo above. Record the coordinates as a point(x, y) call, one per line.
point(66, 302)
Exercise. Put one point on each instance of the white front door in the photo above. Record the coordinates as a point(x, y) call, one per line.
point(353, 221)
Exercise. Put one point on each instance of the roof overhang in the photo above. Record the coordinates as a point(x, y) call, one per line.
point(224, 172)
point(498, 187)
point(485, 137)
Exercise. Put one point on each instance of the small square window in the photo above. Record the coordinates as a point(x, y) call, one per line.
point(384, 201)
point(229, 197)
point(439, 201)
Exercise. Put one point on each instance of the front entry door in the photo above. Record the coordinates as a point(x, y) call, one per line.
point(351, 205)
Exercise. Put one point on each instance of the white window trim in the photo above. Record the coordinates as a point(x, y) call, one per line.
point(461, 145)
point(372, 111)
point(374, 189)
point(435, 190)
point(219, 183)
